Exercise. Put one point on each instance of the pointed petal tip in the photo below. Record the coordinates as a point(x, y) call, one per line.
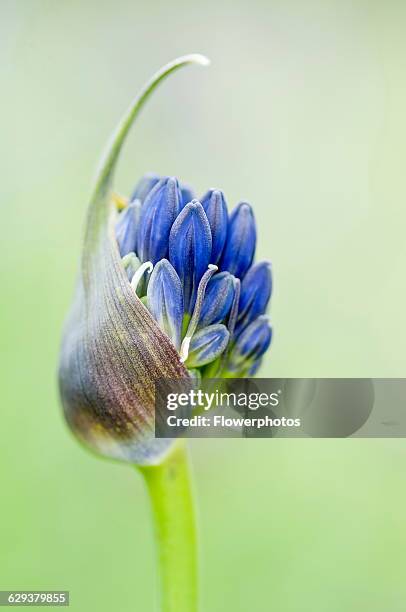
point(194, 205)
point(244, 206)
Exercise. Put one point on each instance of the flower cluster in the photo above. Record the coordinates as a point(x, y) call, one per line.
point(191, 264)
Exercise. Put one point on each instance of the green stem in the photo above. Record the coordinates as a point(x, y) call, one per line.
point(169, 487)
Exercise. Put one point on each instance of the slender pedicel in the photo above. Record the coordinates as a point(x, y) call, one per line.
point(131, 264)
point(146, 267)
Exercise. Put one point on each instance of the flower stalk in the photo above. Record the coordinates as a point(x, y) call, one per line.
point(169, 488)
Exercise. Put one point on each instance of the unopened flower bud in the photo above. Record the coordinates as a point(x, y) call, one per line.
point(215, 207)
point(256, 290)
point(217, 300)
point(239, 249)
point(206, 345)
point(189, 249)
point(158, 212)
point(165, 300)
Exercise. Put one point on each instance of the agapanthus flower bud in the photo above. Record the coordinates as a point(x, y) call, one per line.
point(190, 249)
point(158, 212)
point(126, 228)
point(254, 368)
point(158, 297)
point(217, 300)
point(148, 181)
point(256, 290)
point(206, 345)
point(239, 249)
point(165, 300)
point(187, 194)
point(250, 345)
point(215, 207)
point(144, 186)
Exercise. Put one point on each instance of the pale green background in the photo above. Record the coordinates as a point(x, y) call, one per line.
point(303, 113)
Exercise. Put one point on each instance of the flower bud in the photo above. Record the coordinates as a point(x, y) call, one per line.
point(217, 300)
point(206, 345)
point(189, 249)
point(165, 300)
point(239, 249)
point(187, 194)
point(126, 228)
point(144, 186)
point(250, 345)
point(158, 212)
point(254, 368)
point(256, 290)
point(215, 207)
point(114, 353)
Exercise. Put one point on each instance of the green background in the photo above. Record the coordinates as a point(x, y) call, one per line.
point(302, 113)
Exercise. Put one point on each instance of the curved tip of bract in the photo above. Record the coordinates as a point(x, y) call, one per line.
point(199, 58)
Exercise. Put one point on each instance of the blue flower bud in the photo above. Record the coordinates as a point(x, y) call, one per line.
point(239, 249)
point(189, 249)
point(165, 300)
point(187, 194)
point(126, 228)
point(217, 300)
point(206, 345)
point(255, 367)
point(144, 186)
point(256, 290)
point(215, 207)
point(159, 211)
point(251, 344)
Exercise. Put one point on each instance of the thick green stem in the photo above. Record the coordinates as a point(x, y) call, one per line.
point(169, 487)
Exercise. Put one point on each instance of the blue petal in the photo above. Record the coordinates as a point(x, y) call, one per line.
point(159, 211)
point(126, 228)
point(239, 249)
point(217, 300)
point(252, 343)
point(187, 194)
point(144, 186)
point(189, 249)
point(256, 290)
point(215, 207)
point(165, 300)
point(255, 367)
point(206, 345)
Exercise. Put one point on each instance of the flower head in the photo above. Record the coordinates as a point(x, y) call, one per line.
point(166, 290)
point(196, 315)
